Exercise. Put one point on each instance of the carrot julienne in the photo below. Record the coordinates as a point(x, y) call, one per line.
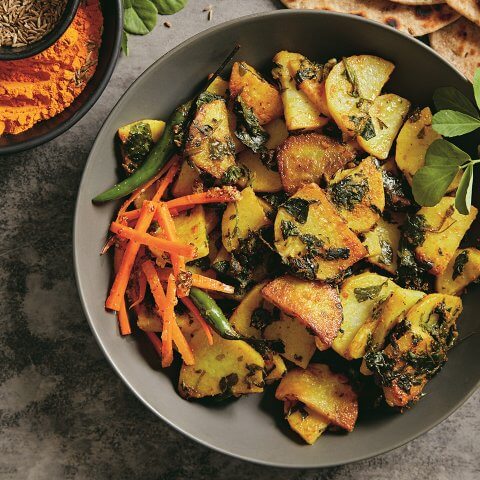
point(166, 181)
point(143, 238)
point(168, 321)
point(117, 292)
point(122, 315)
point(182, 344)
point(142, 287)
point(198, 317)
point(201, 281)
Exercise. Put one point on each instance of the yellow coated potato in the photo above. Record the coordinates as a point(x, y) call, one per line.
point(306, 422)
point(463, 269)
point(187, 182)
point(323, 246)
point(242, 217)
point(358, 195)
point(324, 392)
point(351, 87)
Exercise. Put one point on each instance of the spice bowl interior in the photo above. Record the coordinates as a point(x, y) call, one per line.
point(47, 130)
point(17, 53)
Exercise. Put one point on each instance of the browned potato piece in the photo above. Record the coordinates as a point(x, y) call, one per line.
point(322, 247)
point(311, 157)
point(442, 230)
point(306, 422)
point(358, 195)
point(226, 365)
point(317, 306)
point(298, 342)
point(187, 182)
point(210, 145)
point(256, 92)
point(328, 394)
point(463, 269)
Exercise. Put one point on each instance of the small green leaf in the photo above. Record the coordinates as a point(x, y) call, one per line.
point(463, 198)
point(140, 16)
point(124, 42)
point(450, 98)
point(169, 7)
point(431, 183)
point(444, 153)
point(476, 86)
point(452, 124)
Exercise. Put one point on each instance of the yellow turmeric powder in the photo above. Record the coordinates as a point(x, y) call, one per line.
point(40, 87)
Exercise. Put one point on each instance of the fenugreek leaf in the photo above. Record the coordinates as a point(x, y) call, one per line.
point(431, 183)
point(453, 124)
point(476, 86)
point(139, 16)
point(169, 7)
point(444, 153)
point(463, 197)
point(450, 98)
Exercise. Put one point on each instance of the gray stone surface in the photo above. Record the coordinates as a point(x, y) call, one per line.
point(64, 413)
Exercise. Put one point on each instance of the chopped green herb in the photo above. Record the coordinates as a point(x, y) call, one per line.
point(288, 229)
point(362, 294)
point(459, 264)
point(260, 318)
point(249, 131)
point(234, 174)
point(298, 208)
point(414, 230)
point(137, 146)
point(349, 191)
point(351, 77)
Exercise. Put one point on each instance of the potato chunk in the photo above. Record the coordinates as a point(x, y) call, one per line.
point(315, 242)
point(413, 141)
point(242, 217)
point(306, 422)
point(300, 113)
point(359, 295)
point(439, 231)
point(463, 269)
point(298, 342)
point(358, 195)
point(227, 366)
point(351, 86)
point(317, 306)
point(256, 92)
point(417, 349)
point(210, 145)
point(326, 393)
point(187, 182)
point(387, 115)
point(382, 242)
point(311, 157)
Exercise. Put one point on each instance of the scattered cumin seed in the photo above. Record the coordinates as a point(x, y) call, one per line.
point(167, 24)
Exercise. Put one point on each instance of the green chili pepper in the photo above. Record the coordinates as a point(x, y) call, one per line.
point(157, 158)
point(214, 316)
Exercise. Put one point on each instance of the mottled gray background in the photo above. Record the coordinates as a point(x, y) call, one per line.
point(64, 413)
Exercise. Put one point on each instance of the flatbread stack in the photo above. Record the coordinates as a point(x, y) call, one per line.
point(452, 26)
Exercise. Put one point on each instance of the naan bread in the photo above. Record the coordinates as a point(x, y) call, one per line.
point(459, 43)
point(468, 8)
point(416, 21)
point(418, 2)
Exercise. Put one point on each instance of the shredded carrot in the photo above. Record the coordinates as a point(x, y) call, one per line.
point(117, 292)
point(166, 181)
point(140, 237)
point(168, 321)
point(122, 315)
point(156, 288)
point(156, 342)
point(136, 193)
point(142, 288)
point(198, 317)
point(109, 243)
point(178, 261)
point(201, 281)
point(214, 195)
point(182, 345)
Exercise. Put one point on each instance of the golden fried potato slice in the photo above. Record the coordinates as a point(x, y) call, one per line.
point(306, 422)
point(210, 144)
point(438, 234)
point(324, 392)
point(311, 157)
point(463, 269)
point(256, 92)
point(316, 243)
point(351, 87)
point(316, 305)
point(358, 195)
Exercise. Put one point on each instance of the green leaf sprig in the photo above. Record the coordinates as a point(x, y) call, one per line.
point(140, 16)
point(443, 161)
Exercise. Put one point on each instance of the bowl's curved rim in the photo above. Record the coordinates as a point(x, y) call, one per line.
point(89, 103)
point(186, 44)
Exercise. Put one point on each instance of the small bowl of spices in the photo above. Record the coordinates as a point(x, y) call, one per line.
point(27, 27)
point(43, 95)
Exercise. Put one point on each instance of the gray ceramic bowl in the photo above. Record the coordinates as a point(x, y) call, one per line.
point(252, 428)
